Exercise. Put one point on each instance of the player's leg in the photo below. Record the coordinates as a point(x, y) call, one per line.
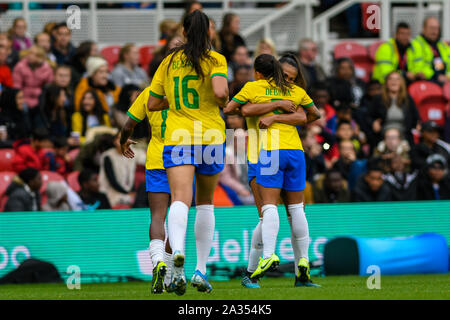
point(159, 203)
point(181, 196)
point(204, 227)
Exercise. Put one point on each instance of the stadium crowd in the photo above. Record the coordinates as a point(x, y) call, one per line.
point(61, 108)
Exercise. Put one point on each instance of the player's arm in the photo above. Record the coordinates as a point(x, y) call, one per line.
point(312, 114)
point(258, 109)
point(232, 107)
point(294, 119)
point(220, 89)
point(157, 103)
point(125, 134)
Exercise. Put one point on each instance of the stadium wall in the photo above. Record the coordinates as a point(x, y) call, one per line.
point(109, 245)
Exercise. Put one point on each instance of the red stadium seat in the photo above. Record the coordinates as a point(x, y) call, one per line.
point(363, 70)
point(146, 55)
point(111, 54)
point(446, 90)
point(6, 158)
point(72, 181)
point(351, 50)
point(430, 101)
point(48, 176)
point(5, 180)
point(73, 154)
point(373, 49)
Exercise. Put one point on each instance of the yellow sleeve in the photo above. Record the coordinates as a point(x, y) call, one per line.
point(306, 101)
point(137, 110)
point(77, 122)
point(157, 85)
point(243, 96)
point(219, 68)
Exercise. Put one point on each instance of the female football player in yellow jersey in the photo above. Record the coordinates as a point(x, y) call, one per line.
point(157, 185)
point(292, 73)
point(193, 79)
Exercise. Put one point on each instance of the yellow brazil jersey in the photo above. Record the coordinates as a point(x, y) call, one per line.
point(194, 116)
point(157, 121)
point(253, 139)
point(278, 135)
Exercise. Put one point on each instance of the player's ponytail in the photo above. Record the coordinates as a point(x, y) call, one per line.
point(271, 69)
point(198, 43)
point(292, 60)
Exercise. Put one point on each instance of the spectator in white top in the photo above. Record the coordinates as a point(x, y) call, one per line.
point(127, 71)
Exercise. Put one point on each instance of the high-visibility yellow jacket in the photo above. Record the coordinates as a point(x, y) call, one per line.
point(387, 60)
point(424, 53)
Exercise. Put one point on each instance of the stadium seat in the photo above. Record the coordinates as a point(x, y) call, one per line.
point(350, 49)
point(48, 176)
point(446, 90)
point(72, 181)
point(6, 158)
point(111, 54)
point(73, 154)
point(221, 198)
point(430, 101)
point(373, 49)
point(5, 180)
point(146, 55)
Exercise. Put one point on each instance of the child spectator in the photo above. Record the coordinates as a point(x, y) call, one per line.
point(91, 114)
point(89, 193)
point(347, 164)
point(18, 34)
point(58, 160)
point(23, 192)
point(331, 188)
point(57, 197)
point(371, 187)
point(321, 98)
point(117, 173)
point(28, 153)
point(435, 182)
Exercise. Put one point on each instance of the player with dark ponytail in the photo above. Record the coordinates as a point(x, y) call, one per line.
point(193, 81)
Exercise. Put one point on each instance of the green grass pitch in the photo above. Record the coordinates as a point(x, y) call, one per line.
point(333, 287)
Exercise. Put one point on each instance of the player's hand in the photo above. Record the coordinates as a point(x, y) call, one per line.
point(126, 149)
point(266, 122)
point(287, 105)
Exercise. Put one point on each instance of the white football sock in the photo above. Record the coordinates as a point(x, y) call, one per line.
point(156, 249)
point(168, 260)
point(299, 232)
point(270, 227)
point(204, 233)
point(177, 223)
point(256, 248)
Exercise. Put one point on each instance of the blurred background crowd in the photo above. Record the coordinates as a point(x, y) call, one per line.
point(383, 135)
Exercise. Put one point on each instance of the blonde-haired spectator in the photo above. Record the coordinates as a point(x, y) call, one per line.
point(127, 71)
point(265, 46)
point(43, 40)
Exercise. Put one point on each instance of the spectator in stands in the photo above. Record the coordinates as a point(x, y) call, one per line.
point(85, 50)
point(434, 184)
point(190, 7)
point(315, 162)
point(57, 197)
point(90, 152)
point(162, 52)
point(18, 33)
point(216, 45)
point(241, 75)
point(321, 97)
point(117, 173)
point(57, 159)
point(344, 87)
point(394, 107)
point(265, 46)
point(429, 144)
point(331, 188)
point(97, 78)
point(90, 114)
point(347, 164)
point(168, 29)
point(43, 40)
point(14, 113)
point(229, 34)
point(127, 71)
point(30, 75)
point(432, 56)
point(28, 152)
point(345, 131)
point(396, 54)
point(240, 57)
point(371, 186)
point(402, 183)
point(312, 71)
point(393, 145)
point(13, 55)
point(89, 193)
point(5, 72)
point(62, 47)
point(23, 192)
point(52, 114)
point(325, 138)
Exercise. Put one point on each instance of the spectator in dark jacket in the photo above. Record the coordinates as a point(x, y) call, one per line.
point(429, 145)
point(14, 113)
point(331, 189)
point(89, 193)
point(371, 187)
point(347, 164)
point(435, 182)
point(403, 184)
point(229, 35)
point(23, 192)
point(62, 47)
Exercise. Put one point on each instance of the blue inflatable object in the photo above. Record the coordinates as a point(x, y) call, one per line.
point(425, 253)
